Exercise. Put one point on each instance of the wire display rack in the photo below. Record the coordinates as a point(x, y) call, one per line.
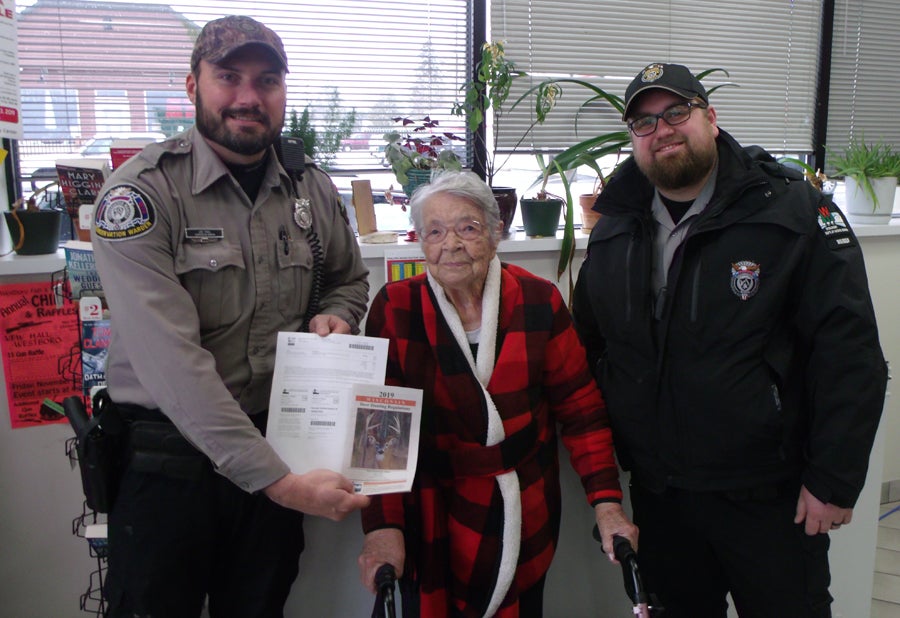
point(91, 526)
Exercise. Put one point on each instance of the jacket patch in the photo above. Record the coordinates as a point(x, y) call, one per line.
point(833, 226)
point(745, 279)
point(123, 213)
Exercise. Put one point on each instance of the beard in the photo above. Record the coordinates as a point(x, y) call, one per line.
point(684, 170)
point(212, 126)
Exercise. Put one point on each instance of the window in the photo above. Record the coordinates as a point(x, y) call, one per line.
point(52, 114)
point(769, 47)
point(864, 74)
point(90, 67)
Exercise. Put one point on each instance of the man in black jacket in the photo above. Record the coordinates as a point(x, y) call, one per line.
point(725, 306)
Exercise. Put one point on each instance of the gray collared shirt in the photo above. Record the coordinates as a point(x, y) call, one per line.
point(669, 235)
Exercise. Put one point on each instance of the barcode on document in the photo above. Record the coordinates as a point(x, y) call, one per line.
point(294, 410)
point(322, 423)
point(360, 346)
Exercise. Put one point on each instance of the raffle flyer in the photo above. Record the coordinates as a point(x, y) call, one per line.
point(41, 352)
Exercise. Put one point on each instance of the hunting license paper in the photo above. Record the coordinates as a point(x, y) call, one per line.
point(329, 408)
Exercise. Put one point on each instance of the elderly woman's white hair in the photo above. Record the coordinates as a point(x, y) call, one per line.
point(464, 184)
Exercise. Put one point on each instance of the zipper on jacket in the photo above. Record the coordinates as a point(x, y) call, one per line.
point(776, 398)
point(629, 262)
point(695, 290)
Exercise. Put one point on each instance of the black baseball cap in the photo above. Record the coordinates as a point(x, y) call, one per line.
point(675, 78)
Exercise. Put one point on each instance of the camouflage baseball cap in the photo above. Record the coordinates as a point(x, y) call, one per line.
point(222, 37)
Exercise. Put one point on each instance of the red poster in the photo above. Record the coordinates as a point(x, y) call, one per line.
point(41, 353)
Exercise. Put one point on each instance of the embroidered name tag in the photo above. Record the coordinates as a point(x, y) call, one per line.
point(204, 234)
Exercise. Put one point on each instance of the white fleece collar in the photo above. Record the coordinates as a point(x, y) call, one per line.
point(483, 368)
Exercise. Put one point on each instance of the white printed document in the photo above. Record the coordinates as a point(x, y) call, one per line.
point(329, 409)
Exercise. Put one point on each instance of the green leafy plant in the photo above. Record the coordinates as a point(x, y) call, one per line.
point(487, 94)
point(322, 143)
point(419, 147)
point(862, 162)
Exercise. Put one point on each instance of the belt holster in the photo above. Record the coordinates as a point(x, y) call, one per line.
point(98, 444)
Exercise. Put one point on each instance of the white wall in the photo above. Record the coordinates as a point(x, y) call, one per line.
point(882, 255)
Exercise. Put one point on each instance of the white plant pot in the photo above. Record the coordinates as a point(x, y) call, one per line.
point(859, 205)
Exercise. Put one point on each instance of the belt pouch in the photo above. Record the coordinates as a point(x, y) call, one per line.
point(159, 448)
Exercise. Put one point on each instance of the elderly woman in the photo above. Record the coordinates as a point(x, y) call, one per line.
point(494, 350)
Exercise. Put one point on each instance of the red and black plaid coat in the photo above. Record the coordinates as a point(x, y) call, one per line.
point(453, 518)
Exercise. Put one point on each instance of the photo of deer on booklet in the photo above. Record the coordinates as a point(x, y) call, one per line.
point(329, 408)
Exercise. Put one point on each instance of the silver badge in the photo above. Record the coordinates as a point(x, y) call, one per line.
point(745, 279)
point(302, 213)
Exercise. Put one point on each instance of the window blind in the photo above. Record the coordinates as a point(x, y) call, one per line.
point(90, 67)
point(769, 48)
point(865, 74)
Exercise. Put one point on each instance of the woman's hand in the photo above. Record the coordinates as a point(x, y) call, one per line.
point(611, 521)
point(384, 546)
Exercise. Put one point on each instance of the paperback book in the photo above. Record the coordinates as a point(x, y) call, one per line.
point(123, 149)
point(81, 270)
point(80, 181)
point(94, 349)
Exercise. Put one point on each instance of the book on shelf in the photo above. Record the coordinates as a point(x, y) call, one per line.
point(123, 149)
point(94, 349)
point(80, 181)
point(81, 270)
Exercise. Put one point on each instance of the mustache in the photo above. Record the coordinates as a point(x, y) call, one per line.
point(668, 142)
point(250, 114)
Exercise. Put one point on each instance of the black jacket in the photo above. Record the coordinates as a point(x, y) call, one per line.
point(762, 363)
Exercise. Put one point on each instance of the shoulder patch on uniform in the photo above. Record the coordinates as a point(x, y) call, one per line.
point(834, 227)
point(123, 213)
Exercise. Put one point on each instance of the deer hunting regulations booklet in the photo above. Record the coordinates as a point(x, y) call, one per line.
point(329, 408)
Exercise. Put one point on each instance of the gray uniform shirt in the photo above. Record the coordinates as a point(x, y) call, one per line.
point(669, 235)
point(199, 281)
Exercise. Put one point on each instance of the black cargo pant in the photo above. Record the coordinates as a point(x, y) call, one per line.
point(179, 532)
point(695, 547)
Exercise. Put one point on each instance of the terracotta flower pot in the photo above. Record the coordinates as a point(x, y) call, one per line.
point(589, 216)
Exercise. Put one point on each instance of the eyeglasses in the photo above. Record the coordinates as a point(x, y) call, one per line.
point(466, 229)
point(674, 115)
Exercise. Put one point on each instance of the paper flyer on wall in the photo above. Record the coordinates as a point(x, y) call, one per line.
point(10, 99)
point(329, 408)
point(403, 264)
point(41, 355)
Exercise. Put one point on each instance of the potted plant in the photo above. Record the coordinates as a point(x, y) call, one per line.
point(322, 141)
point(591, 159)
point(34, 230)
point(870, 174)
point(540, 214)
point(414, 154)
point(487, 93)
